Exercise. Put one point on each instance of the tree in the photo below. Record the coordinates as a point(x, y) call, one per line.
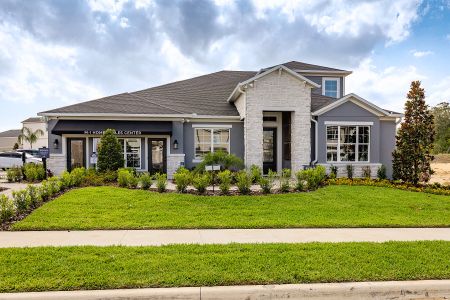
point(441, 113)
point(30, 136)
point(414, 144)
point(16, 146)
point(110, 156)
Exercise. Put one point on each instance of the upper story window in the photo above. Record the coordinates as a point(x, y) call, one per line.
point(211, 140)
point(348, 143)
point(331, 87)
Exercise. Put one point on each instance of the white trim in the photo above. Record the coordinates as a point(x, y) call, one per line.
point(231, 98)
point(358, 101)
point(338, 149)
point(137, 116)
point(348, 123)
point(338, 85)
point(316, 141)
point(211, 126)
point(318, 72)
point(197, 159)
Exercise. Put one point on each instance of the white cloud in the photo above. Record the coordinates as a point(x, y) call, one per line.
point(124, 22)
point(439, 92)
point(385, 87)
point(419, 54)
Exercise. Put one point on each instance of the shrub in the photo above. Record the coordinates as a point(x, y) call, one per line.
point(21, 200)
point(145, 181)
point(110, 157)
point(225, 160)
point(366, 172)
point(285, 180)
point(266, 182)
point(54, 185)
point(34, 172)
point(350, 171)
point(381, 172)
point(243, 182)
point(66, 180)
point(310, 179)
point(201, 182)
point(122, 177)
point(14, 174)
point(161, 182)
point(7, 210)
point(77, 176)
point(93, 178)
point(132, 181)
point(182, 178)
point(224, 181)
point(256, 173)
point(35, 195)
point(109, 176)
point(45, 190)
point(333, 172)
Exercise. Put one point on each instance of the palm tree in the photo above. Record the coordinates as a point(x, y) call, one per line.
point(30, 136)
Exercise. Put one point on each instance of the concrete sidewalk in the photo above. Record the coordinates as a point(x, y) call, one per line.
point(423, 289)
point(216, 236)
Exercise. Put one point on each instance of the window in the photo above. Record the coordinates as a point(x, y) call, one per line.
point(211, 140)
point(95, 143)
point(330, 87)
point(131, 150)
point(348, 143)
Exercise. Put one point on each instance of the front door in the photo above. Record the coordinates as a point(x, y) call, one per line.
point(269, 149)
point(76, 153)
point(157, 155)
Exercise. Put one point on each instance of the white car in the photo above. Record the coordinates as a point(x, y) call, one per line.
point(14, 159)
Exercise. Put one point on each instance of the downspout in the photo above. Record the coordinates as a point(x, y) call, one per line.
point(316, 131)
point(245, 120)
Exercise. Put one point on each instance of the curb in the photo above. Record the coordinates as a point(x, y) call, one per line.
point(423, 289)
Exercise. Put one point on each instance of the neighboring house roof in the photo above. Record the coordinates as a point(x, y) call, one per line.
point(13, 133)
point(358, 101)
point(203, 95)
point(33, 120)
point(318, 101)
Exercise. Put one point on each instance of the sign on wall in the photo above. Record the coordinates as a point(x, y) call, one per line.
point(118, 132)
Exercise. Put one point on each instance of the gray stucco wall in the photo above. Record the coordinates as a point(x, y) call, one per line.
point(382, 133)
point(177, 134)
point(236, 141)
point(318, 80)
point(53, 137)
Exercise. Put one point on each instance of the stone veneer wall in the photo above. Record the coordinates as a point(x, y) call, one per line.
point(278, 91)
point(174, 161)
point(57, 164)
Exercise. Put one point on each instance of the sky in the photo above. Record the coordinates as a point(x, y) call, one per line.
point(58, 52)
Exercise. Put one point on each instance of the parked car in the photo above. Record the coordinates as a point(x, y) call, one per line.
point(32, 152)
point(14, 159)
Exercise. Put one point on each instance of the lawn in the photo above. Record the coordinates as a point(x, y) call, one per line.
point(332, 206)
point(72, 268)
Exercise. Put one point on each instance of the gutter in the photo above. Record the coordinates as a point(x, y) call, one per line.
point(316, 133)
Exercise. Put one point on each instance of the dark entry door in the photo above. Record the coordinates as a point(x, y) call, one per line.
point(76, 153)
point(269, 149)
point(157, 155)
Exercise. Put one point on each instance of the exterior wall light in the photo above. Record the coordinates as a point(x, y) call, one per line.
point(56, 144)
point(175, 144)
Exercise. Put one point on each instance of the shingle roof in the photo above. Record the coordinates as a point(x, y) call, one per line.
point(32, 120)
point(318, 101)
point(203, 95)
point(297, 65)
point(11, 133)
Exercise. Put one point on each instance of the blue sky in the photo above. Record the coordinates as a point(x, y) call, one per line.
point(55, 52)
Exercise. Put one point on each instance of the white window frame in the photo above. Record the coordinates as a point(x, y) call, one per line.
point(123, 140)
point(338, 85)
point(357, 143)
point(212, 128)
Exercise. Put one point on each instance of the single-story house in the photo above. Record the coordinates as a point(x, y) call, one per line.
point(291, 115)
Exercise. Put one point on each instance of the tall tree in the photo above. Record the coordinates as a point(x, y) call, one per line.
point(441, 113)
point(30, 136)
point(110, 153)
point(415, 138)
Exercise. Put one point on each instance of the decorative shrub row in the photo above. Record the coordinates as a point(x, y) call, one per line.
point(434, 188)
point(30, 172)
point(127, 177)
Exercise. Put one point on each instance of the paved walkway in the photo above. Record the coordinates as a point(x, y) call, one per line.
point(421, 289)
point(215, 236)
point(13, 186)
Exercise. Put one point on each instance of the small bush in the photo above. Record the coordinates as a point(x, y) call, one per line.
point(14, 174)
point(45, 190)
point(122, 177)
point(350, 171)
point(225, 160)
point(21, 200)
point(333, 172)
point(182, 178)
point(366, 172)
point(201, 182)
point(161, 182)
point(7, 210)
point(145, 181)
point(66, 180)
point(381, 172)
point(109, 176)
point(243, 182)
point(54, 185)
point(132, 181)
point(93, 178)
point(285, 180)
point(224, 181)
point(266, 182)
point(310, 179)
point(34, 172)
point(78, 175)
point(256, 173)
point(35, 195)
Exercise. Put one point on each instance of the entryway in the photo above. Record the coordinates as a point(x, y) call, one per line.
point(76, 153)
point(269, 149)
point(157, 155)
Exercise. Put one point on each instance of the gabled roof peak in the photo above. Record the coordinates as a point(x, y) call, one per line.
point(302, 67)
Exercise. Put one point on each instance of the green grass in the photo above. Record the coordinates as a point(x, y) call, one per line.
point(72, 268)
point(332, 206)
